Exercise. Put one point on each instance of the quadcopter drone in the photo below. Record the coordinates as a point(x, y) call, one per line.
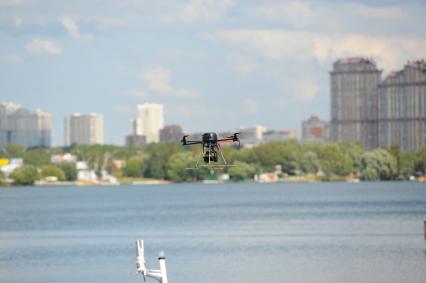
point(212, 152)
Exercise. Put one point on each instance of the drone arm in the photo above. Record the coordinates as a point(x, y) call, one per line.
point(226, 140)
point(191, 142)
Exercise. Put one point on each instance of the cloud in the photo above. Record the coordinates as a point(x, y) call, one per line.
point(40, 46)
point(137, 94)
point(302, 47)
point(298, 13)
point(198, 11)
point(339, 14)
point(11, 2)
point(12, 58)
point(241, 64)
point(306, 91)
point(186, 93)
point(158, 79)
point(72, 28)
point(383, 12)
point(123, 109)
point(250, 106)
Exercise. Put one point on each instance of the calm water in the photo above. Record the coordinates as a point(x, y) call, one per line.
point(366, 232)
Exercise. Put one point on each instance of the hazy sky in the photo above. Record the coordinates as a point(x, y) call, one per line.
point(214, 64)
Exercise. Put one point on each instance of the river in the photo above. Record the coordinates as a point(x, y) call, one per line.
point(244, 233)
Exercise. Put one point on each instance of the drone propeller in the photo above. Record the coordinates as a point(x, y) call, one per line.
point(183, 141)
point(235, 138)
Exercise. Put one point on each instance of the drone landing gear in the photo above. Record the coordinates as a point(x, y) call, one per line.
point(212, 153)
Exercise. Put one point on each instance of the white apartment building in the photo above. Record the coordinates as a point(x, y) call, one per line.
point(149, 122)
point(83, 129)
point(23, 127)
point(251, 136)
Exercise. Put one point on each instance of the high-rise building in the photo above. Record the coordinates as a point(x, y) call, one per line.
point(315, 130)
point(354, 97)
point(270, 136)
point(83, 129)
point(171, 133)
point(150, 121)
point(402, 107)
point(251, 136)
point(23, 127)
point(135, 141)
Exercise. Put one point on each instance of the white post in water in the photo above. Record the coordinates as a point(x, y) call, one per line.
point(159, 275)
point(424, 225)
point(162, 260)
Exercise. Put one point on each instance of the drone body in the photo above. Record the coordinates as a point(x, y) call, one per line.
point(211, 149)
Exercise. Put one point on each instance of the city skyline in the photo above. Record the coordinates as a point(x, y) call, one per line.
point(215, 65)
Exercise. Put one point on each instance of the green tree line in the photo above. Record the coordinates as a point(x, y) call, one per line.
point(170, 161)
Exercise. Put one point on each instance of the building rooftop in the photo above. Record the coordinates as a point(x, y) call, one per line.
point(420, 64)
point(356, 61)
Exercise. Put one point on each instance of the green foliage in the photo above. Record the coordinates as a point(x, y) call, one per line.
point(334, 160)
point(407, 165)
point(134, 167)
point(12, 151)
point(25, 175)
point(286, 154)
point(354, 150)
point(309, 163)
point(177, 167)
point(168, 161)
point(420, 165)
point(1, 177)
point(159, 155)
point(53, 171)
point(242, 171)
point(378, 164)
point(37, 157)
point(69, 170)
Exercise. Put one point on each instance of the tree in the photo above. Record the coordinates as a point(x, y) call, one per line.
point(1, 177)
point(334, 161)
point(309, 162)
point(242, 171)
point(53, 171)
point(178, 164)
point(37, 157)
point(25, 175)
point(13, 151)
point(69, 170)
point(420, 166)
point(354, 150)
point(287, 154)
point(407, 164)
point(378, 164)
point(134, 167)
point(159, 155)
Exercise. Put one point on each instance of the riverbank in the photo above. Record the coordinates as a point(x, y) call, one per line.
point(143, 181)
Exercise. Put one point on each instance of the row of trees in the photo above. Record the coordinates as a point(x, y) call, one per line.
point(169, 161)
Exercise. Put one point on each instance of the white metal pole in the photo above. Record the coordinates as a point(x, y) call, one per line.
point(424, 228)
point(162, 260)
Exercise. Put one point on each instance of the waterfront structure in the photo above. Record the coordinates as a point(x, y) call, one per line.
point(251, 136)
point(171, 133)
point(149, 122)
point(315, 130)
point(85, 129)
point(269, 136)
point(354, 97)
point(23, 127)
point(402, 107)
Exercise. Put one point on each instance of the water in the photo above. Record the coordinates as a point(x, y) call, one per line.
point(328, 232)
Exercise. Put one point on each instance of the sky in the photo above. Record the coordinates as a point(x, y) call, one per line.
point(216, 65)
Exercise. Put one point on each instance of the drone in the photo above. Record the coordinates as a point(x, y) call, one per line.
point(211, 150)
